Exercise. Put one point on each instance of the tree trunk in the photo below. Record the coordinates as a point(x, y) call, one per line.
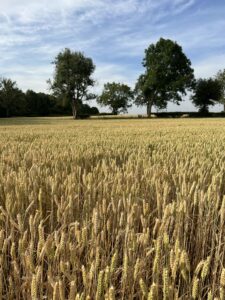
point(74, 108)
point(204, 110)
point(224, 107)
point(115, 112)
point(149, 108)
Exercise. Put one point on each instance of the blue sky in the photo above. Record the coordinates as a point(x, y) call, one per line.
point(114, 33)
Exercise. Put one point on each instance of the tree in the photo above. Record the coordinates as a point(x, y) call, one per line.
point(63, 107)
point(207, 93)
point(39, 104)
point(72, 77)
point(221, 78)
point(11, 98)
point(116, 96)
point(85, 109)
point(168, 75)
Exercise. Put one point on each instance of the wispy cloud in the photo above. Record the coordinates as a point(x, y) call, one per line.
point(114, 33)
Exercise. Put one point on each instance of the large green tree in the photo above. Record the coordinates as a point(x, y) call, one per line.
point(11, 98)
point(168, 75)
point(72, 77)
point(117, 96)
point(207, 93)
point(221, 78)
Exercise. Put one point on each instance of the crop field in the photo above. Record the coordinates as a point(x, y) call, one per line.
point(112, 209)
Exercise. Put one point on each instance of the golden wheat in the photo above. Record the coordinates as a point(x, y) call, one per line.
point(112, 209)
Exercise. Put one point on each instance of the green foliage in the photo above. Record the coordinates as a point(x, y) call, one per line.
point(221, 78)
point(207, 93)
point(168, 75)
point(63, 107)
point(39, 104)
point(85, 109)
point(116, 96)
point(73, 77)
point(12, 100)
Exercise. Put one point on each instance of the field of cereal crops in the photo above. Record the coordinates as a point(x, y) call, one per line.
point(112, 209)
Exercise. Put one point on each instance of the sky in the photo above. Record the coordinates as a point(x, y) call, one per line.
point(114, 33)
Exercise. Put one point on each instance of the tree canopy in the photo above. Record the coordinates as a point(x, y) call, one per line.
point(11, 97)
point(72, 77)
point(207, 93)
point(39, 104)
point(221, 78)
point(14, 102)
point(116, 96)
point(168, 75)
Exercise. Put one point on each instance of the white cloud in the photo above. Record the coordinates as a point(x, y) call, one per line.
point(30, 77)
point(28, 11)
point(209, 66)
point(115, 33)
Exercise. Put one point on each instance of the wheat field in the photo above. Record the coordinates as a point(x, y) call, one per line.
point(112, 209)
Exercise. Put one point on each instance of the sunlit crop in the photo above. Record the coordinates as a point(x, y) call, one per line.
point(112, 209)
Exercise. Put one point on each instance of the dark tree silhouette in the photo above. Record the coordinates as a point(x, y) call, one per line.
point(207, 93)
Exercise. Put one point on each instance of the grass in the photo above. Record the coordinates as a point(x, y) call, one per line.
point(112, 209)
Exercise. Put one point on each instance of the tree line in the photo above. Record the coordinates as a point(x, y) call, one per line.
point(14, 102)
point(168, 76)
